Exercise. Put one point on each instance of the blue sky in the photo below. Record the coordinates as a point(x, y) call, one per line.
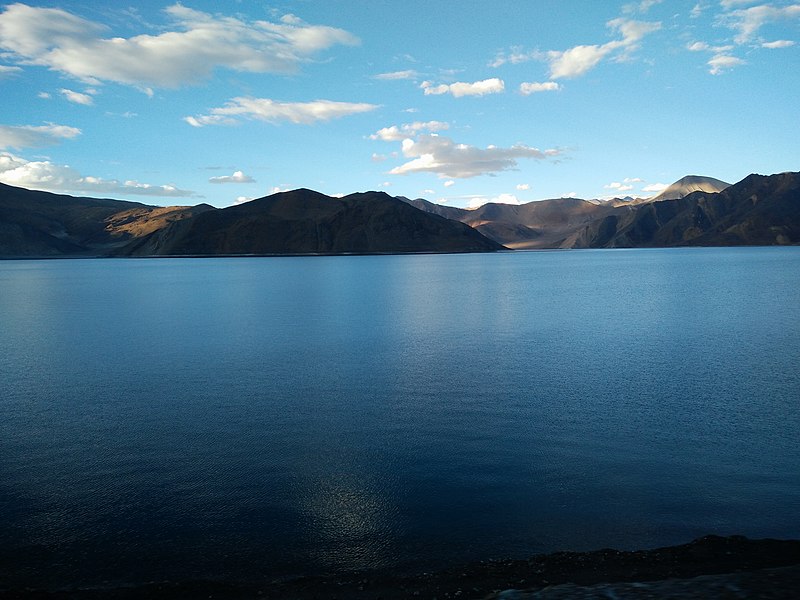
point(460, 102)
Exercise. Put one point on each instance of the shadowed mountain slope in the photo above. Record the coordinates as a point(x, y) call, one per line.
point(41, 224)
point(540, 224)
point(307, 222)
point(759, 210)
point(35, 223)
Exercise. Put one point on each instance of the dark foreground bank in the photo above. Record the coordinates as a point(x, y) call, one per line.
point(709, 567)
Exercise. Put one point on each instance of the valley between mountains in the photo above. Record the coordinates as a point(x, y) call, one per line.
point(695, 211)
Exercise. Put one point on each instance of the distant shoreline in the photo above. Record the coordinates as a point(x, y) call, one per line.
point(421, 253)
point(718, 563)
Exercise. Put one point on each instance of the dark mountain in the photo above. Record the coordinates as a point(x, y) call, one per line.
point(34, 223)
point(540, 224)
point(694, 211)
point(307, 222)
point(759, 210)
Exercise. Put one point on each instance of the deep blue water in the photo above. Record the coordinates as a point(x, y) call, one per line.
point(264, 417)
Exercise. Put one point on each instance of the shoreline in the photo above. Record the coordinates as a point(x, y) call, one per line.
point(706, 567)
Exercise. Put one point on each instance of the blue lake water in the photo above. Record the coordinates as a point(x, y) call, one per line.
point(265, 417)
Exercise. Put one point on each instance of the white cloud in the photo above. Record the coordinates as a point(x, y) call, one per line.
point(6, 71)
point(478, 201)
point(704, 47)
point(515, 56)
point(696, 11)
point(279, 189)
point(396, 134)
point(34, 136)
point(778, 44)
point(378, 157)
point(655, 187)
point(723, 62)
point(397, 75)
point(44, 95)
point(618, 187)
point(641, 7)
point(449, 183)
point(580, 59)
point(633, 180)
point(461, 88)
point(440, 155)
point(534, 87)
point(523, 187)
point(722, 59)
point(264, 109)
point(237, 177)
point(45, 175)
point(196, 44)
point(728, 4)
point(242, 200)
point(749, 20)
point(77, 97)
point(576, 61)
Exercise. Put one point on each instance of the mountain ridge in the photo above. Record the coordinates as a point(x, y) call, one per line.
point(695, 218)
point(759, 210)
point(43, 224)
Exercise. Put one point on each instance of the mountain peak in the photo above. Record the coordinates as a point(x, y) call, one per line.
point(691, 183)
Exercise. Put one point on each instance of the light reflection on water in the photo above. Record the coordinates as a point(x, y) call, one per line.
point(275, 417)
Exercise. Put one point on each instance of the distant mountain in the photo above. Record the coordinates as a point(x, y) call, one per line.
point(689, 184)
point(759, 210)
point(34, 223)
point(539, 224)
point(41, 224)
point(307, 222)
point(692, 211)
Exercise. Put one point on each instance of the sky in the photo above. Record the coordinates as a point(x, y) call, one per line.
point(460, 102)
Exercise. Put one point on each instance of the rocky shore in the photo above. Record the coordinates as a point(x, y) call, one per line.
point(709, 567)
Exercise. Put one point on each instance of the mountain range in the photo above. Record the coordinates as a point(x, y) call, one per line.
point(694, 211)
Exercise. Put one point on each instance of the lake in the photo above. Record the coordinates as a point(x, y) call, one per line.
point(246, 418)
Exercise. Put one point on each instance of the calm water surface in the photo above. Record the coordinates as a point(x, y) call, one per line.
point(263, 417)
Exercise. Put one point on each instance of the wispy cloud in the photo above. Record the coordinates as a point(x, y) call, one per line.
point(461, 88)
point(618, 186)
point(778, 44)
point(640, 7)
point(578, 60)
point(237, 177)
point(431, 153)
point(51, 177)
point(8, 71)
point(723, 62)
point(77, 97)
point(746, 23)
point(722, 59)
point(272, 111)
point(197, 43)
point(527, 89)
point(398, 133)
point(478, 201)
point(397, 75)
point(515, 56)
point(34, 136)
point(749, 21)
